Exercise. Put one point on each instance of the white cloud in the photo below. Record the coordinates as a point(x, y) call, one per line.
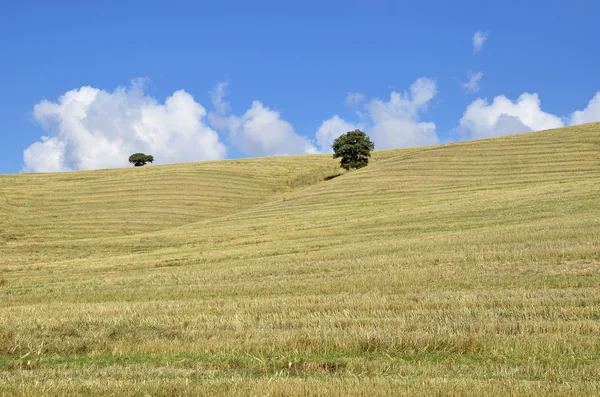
point(396, 123)
point(89, 128)
point(590, 114)
point(331, 129)
point(261, 131)
point(479, 39)
point(504, 117)
point(390, 124)
point(218, 95)
point(422, 91)
point(473, 84)
point(354, 98)
point(45, 156)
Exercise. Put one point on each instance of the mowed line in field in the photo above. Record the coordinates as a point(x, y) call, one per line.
point(409, 212)
point(406, 188)
point(121, 202)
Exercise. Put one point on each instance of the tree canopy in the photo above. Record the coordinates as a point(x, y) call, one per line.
point(140, 159)
point(354, 148)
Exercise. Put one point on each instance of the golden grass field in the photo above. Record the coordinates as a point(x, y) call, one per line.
point(467, 269)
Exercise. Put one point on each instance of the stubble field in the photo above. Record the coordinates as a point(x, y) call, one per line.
point(464, 269)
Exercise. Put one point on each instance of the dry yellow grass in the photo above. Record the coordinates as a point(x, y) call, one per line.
point(462, 269)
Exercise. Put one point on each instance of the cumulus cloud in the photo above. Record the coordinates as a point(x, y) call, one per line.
point(396, 123)
point(479, 38)
point(504, 117)
point(45, 156)
point(260, 131)
point(90, 128)
point(590, 114)
point(391, 123)
point(473, 84)
point(331, 129)
point(354, 98)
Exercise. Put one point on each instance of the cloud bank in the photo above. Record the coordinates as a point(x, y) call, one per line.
point(89, 128)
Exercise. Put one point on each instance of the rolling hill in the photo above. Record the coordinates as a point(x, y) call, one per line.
point(469, 268)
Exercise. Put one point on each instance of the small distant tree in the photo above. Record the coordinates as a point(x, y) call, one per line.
point(140, 159)
point(354, 148)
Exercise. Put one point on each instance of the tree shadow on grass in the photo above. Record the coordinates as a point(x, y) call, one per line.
point(330, 177)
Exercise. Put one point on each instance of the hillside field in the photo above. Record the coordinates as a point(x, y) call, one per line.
point(466, 269)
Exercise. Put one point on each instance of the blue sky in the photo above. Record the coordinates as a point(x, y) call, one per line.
point(190, 81)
